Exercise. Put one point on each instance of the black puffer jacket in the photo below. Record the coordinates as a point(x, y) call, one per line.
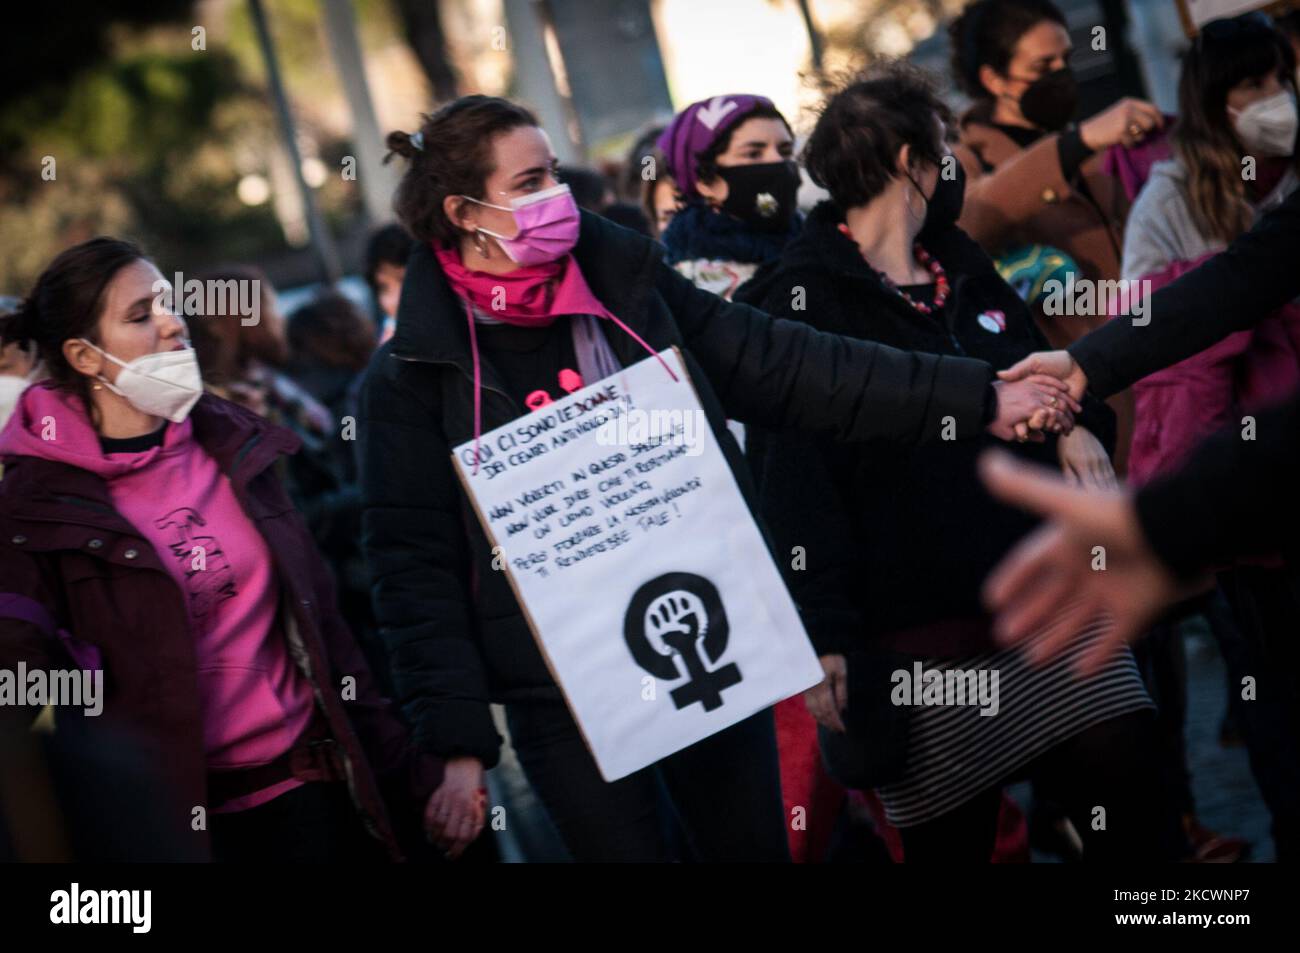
point(455, 633)
point(893, 536)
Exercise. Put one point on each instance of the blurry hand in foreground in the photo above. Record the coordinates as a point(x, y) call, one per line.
point(1047, 584)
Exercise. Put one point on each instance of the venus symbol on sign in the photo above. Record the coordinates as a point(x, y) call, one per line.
point(680, 615)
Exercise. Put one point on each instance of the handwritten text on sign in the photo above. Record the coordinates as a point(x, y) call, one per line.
point(638, 564)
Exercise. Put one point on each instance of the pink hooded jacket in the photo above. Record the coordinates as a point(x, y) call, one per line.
point(255, 701)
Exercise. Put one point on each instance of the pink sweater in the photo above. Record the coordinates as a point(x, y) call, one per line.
point(255, 701)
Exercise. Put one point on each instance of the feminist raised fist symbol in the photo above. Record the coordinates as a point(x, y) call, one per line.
point(680, 615)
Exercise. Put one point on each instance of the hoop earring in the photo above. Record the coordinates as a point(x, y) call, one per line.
point(480, 242)
point(908, 201)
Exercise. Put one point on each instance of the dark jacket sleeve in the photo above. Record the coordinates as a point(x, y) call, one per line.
point(28, 632)
point(1234, 497)
point(780, 374)
point(810, 524)
point(813, 537)
point(418, 557)
point(1230, 292)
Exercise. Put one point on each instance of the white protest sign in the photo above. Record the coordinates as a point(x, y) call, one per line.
point(642, 573)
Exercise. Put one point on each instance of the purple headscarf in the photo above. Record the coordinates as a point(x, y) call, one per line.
point(696, 128)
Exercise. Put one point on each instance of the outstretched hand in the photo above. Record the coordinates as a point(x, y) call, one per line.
point(1089, 561)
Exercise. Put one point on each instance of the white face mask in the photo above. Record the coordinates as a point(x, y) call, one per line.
point(1268, 127)
point(165, 384)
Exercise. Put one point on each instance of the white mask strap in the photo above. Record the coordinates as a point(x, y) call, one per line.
point(100, 377)
point(119, 363)
point(503, 208)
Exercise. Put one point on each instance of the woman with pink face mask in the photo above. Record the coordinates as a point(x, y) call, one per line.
point(511, 299)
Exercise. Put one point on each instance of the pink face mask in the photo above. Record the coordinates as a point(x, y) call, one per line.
point(547, 224)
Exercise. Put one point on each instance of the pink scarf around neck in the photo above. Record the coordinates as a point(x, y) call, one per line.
point(531, 296)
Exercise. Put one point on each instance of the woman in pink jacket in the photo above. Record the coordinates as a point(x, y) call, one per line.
point(147, 545)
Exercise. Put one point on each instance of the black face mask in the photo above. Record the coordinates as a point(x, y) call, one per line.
point(1050, 101)
point(943, 207)
point(761, 196)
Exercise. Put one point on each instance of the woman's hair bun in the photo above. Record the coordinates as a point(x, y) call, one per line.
point(400, 143)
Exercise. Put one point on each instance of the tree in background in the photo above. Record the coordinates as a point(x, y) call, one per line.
point(151, 131)
point(423, 26)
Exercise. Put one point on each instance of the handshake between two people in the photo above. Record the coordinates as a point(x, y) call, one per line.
point(1037, 396)
point(1040, 395)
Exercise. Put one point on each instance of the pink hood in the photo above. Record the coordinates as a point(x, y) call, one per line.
point(52, 424)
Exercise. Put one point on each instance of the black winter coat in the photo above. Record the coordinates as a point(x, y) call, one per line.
point(894, 537)
point(455, 633)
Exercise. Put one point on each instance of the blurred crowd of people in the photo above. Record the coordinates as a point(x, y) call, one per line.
point(254, 528)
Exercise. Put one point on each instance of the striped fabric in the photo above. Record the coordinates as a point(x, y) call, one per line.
point(954, 752)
